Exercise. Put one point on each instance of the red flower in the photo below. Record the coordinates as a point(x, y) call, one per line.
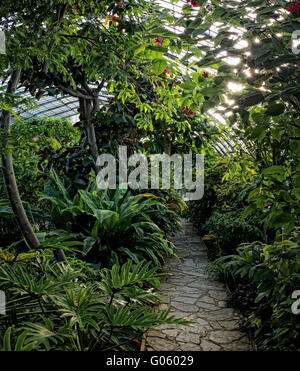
point(205, 75)
point(158, 41)
point(187, 111)
point(165, 71)
point(193, 3)
point(293, 8)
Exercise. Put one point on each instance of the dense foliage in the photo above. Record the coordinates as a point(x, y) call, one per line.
point(255, 196)
point(71, 307)
point(80, 265)
point(114, 225)
point(275, 271)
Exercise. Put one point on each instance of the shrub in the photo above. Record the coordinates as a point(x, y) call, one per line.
point(33, 140)
point(275, 270)
point(114, 225)
point(57, 307)
point(45, 131)
point(221, 192)
point(169, 221)
point(225, 231)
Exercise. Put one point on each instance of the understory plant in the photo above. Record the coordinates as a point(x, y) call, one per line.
point(274, 269)
point(219, 214)
point(113, 224)
point(33, 142)
point(225, 231)
point(69, 307)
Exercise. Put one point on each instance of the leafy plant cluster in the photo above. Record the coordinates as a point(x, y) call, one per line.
point(33, 141)
point(218, 215)
point(113, 225)
point(71, 307)
point(104, 296)
point(95, 298)
point(275, 271)
point(225, 231)
point(253, 202)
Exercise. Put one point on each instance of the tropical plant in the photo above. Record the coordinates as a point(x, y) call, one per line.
point(21, 345)
point(275, 270)
point(59, 307)
point(114, 224)
point(42, 132)
point(169, 222)
point(33, 142)
point(225, 231)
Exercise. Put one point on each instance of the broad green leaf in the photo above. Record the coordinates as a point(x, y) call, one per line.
point(275, 109)
point(188, 85)
point(159, 65)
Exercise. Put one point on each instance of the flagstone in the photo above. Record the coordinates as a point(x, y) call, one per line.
point(195, 295)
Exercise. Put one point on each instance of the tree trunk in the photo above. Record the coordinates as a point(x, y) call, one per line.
point(168, 145)
point(10, 179)
point(86, 115)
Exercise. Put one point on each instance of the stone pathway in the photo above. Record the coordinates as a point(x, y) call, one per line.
point(195, 296)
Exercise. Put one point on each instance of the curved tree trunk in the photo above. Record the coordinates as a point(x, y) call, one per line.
point(10, 179)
